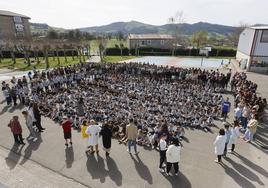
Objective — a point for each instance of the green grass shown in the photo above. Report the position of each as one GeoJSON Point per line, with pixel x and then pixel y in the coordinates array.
{"type": "Point", "coordinates": [113, 59]}
{"type": "Point", "coordinates": [20, 65]}
{"type": "Point", "coordinates": [110, 44]}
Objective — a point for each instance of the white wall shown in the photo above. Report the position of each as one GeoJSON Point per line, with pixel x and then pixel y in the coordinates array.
{"type": "Point", "coordinates": [245, 41]}
{"type": "Point", "coordinates": [261, 48]}
{"type": "Point", "coordinates": [244, 59]}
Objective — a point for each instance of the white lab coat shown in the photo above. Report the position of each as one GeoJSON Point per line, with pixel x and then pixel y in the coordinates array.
{"type": "Point", "coordinates": [219, 144]}
{"type": "Point", "coordinates": [235, 135]}
{"type": "Point", "coordinates": [173, 154]}
{"type": "Point", "coordinates": [93, 132]}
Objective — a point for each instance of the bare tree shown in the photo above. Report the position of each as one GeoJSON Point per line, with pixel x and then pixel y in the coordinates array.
{"type": "Point", "coordinates": [176, 22]}
{"type": "Point", "coordinates": [234, 37]}
{"type": "Point", "coordinates": [102, 43]}
{"type": "Point", "coordinates": [121, 48]}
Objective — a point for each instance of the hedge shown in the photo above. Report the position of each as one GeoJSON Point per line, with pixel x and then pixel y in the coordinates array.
{"type": "Point", "coordinates": [168, 52]}
{"type": "Point", "coordinates": [7, 54]}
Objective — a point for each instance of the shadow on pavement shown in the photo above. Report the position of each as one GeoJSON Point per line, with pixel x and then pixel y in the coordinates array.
{"type": "Point", "coordinates": [245, 171]}
{"type": "Point", "coordinates": [96, 167]}
{"type": "Point", "coordinates": [252, 165]}
{"type": "Point", "coordinates": [3, 101]}
{"type": "Point", "coordinates": [4, 110]}
{"type": "Point", "coordinates": [69, 155]}
{"type": "Point", "coordinates": [17, 107]}
{"type": "Point", "coordinates": [14, 156]}
{"type": "Point", "coordinates": [178, 181]}
{"type": "Point", "coordinates": [239, 179]}
{"type": "Point", "coordinates": [32, 146]}
{"type": "Point", "coordinates": [142, 169]}
{"type": "Point", "coordinates": [114, 172]}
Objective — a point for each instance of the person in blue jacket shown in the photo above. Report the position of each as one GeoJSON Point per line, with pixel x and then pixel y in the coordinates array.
{"type": "Point", "coordinates": [225, 108]}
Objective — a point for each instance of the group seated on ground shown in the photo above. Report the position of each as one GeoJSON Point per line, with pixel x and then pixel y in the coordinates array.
{"type": "Point", "coordinates": [160, 99]}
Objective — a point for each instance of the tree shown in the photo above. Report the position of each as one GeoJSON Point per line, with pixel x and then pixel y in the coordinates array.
{"type": "Point", "coordinates": [199, 38]}
{"type": "Point", "coordinates": [234, 37]}
{"type": "Point", "coordinates": [120, 35]}
{"type": "Point", "coordinates": [52, 34]}
{"type": "Point", "coordinates": [1, 52]}
{"type": "Point", "coordinates": [176, 22]}
{"type": "Point", "coordinates": [102, 43]}
{"type": "Point", "coordinates": [121, 48]}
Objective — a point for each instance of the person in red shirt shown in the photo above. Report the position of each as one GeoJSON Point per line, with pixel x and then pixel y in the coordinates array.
{"type": "Point", "coordinates": [16, 129]}
{"type": "Point", "coordinates": [67, 130]}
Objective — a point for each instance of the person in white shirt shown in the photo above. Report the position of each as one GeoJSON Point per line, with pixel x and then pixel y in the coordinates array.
{"type": "Point", "coordinates": [29, 124]}
{"type": "Point", "coordinates": [162, 151]}
{"type": "Point", "coordinates": [219, 144]}
{"type": "Point", "coordinates": [235, 135]}
{"type": "Point", "coordinates": [93, 132]}
{"type": "Point", "coordinates": [173, 156]}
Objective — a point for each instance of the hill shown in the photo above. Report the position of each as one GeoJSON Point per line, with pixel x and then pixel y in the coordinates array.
{"type": "Point", "coordinates": [138, 28]}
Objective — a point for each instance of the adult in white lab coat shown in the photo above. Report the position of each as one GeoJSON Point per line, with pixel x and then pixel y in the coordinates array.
{"type": "Point", "coordinates": [235, 135]}
{"type": "Point", "coordinates": [219, 144]}
{"type": "Point", "coordinates": [93, 132]}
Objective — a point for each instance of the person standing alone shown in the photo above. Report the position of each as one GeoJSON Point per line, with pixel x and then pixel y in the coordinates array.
{"type": "Point", "coordinates": [219, 144]}
{"type": "Point", "coordinates": [29, 124]}
{"type": "Point", "coordinates": [131, 134]}
{"type": "Point", "coordinates": [162, 151]}
{"type": "Point", "coordinates": [67, 130]}
{"type": "Point", "coordinates": [173, 156]}
{"type": "Point", "coordinates": [106, 134]}
{"type": "Point", "coordinates": [226, 106]}
{"type": "Point", "coordinates": [93, 132]}
{"type": "Point", "coordinates": [16, 129]}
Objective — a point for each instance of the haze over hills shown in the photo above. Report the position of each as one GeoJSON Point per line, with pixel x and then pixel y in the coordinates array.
{"type": "Point", "coordinates": [138, 28]}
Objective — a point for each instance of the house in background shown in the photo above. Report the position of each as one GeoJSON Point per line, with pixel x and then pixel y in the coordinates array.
{"type": "Point", "coordinates": [252, 50]}
{"type": "Point", "coordinates": [14, 27]}
{"type": "Point", "coordinates": [150, 40]}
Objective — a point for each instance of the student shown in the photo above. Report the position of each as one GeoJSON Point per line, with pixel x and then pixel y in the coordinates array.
{"type": "Point", "coordinates": [226, 106]}
{"type": "Point", "coordinates": [131, 133]}
{"type": "Point", "coordinates": [84, 127]}
{"type": "Point", "coordinates": [227, 136]}
{"type": "Point", "coordinates": [245, 116]}
{"type": "Point", "coordinates": [173, 156]}
{"type": "Point", "coordinates": [16, 130]}
{"type": "Point", "coordinates": [162, 151]}
{"type": "Point", "coordinates": [251, 129]}
{"type": "Point", "coordinates": [219, 145]}
{"type": "Point", "coordinates": [238, 112]}
{"type": "Point", "coordinates": [29, 124]}
{"type": "Point", "coordinates": [235, 135]}
{"type": "Point", "coordinates": [67, 130]}
{"type": "Point", "coordinates": [93, 131]}
{"type": "Point", "coordinates": [106, 134]}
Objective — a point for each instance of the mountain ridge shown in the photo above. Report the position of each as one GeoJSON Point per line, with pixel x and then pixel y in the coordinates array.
{"type": "Point", "coordinates": [136, 27]}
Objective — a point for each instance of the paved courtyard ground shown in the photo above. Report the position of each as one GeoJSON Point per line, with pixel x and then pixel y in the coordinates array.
{"type": "Point", "coordinates": [247, 168]}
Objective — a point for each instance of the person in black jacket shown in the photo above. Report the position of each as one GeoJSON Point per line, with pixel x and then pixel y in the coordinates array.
{"type": "Point", "coordinates": [106, 134]}
{"type": "Point", "coordinates": [37, 116]}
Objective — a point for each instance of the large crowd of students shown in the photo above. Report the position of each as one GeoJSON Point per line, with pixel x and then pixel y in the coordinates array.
{"type": "Point", "coordinates": [160, 100]}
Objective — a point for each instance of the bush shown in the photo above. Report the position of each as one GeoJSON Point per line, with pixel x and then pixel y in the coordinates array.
{"type": "Point", "coordinates": [117, 52]}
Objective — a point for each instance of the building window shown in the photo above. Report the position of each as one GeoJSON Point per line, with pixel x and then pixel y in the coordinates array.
{"type": "Point", "coordinates": [19, 27]}
{"type": "Point", "coordinates": [149, 42]}
{"type": "Point", "coordinates": [162, 42]}
{"type": "Point", "coordinates": [142, 42]}
{"type": "Point", "coordinates": [264, 36]}
{"type": "Point", "coordinates": [17, 19]}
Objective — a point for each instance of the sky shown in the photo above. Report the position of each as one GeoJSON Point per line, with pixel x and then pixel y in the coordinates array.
{"type": "Point", "coordinates": [71, 14]}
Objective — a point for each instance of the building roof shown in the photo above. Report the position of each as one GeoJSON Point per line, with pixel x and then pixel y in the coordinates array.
{"type": "Point", "coordinates": [8, 13]}
{"type": "Point", "coordinates": [260, 27]}
{"type": "Point", "coordinates": [150, 36]}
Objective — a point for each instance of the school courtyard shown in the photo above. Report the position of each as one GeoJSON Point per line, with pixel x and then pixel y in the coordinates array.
{"type": "Point", "coordinates": [48, 163]}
